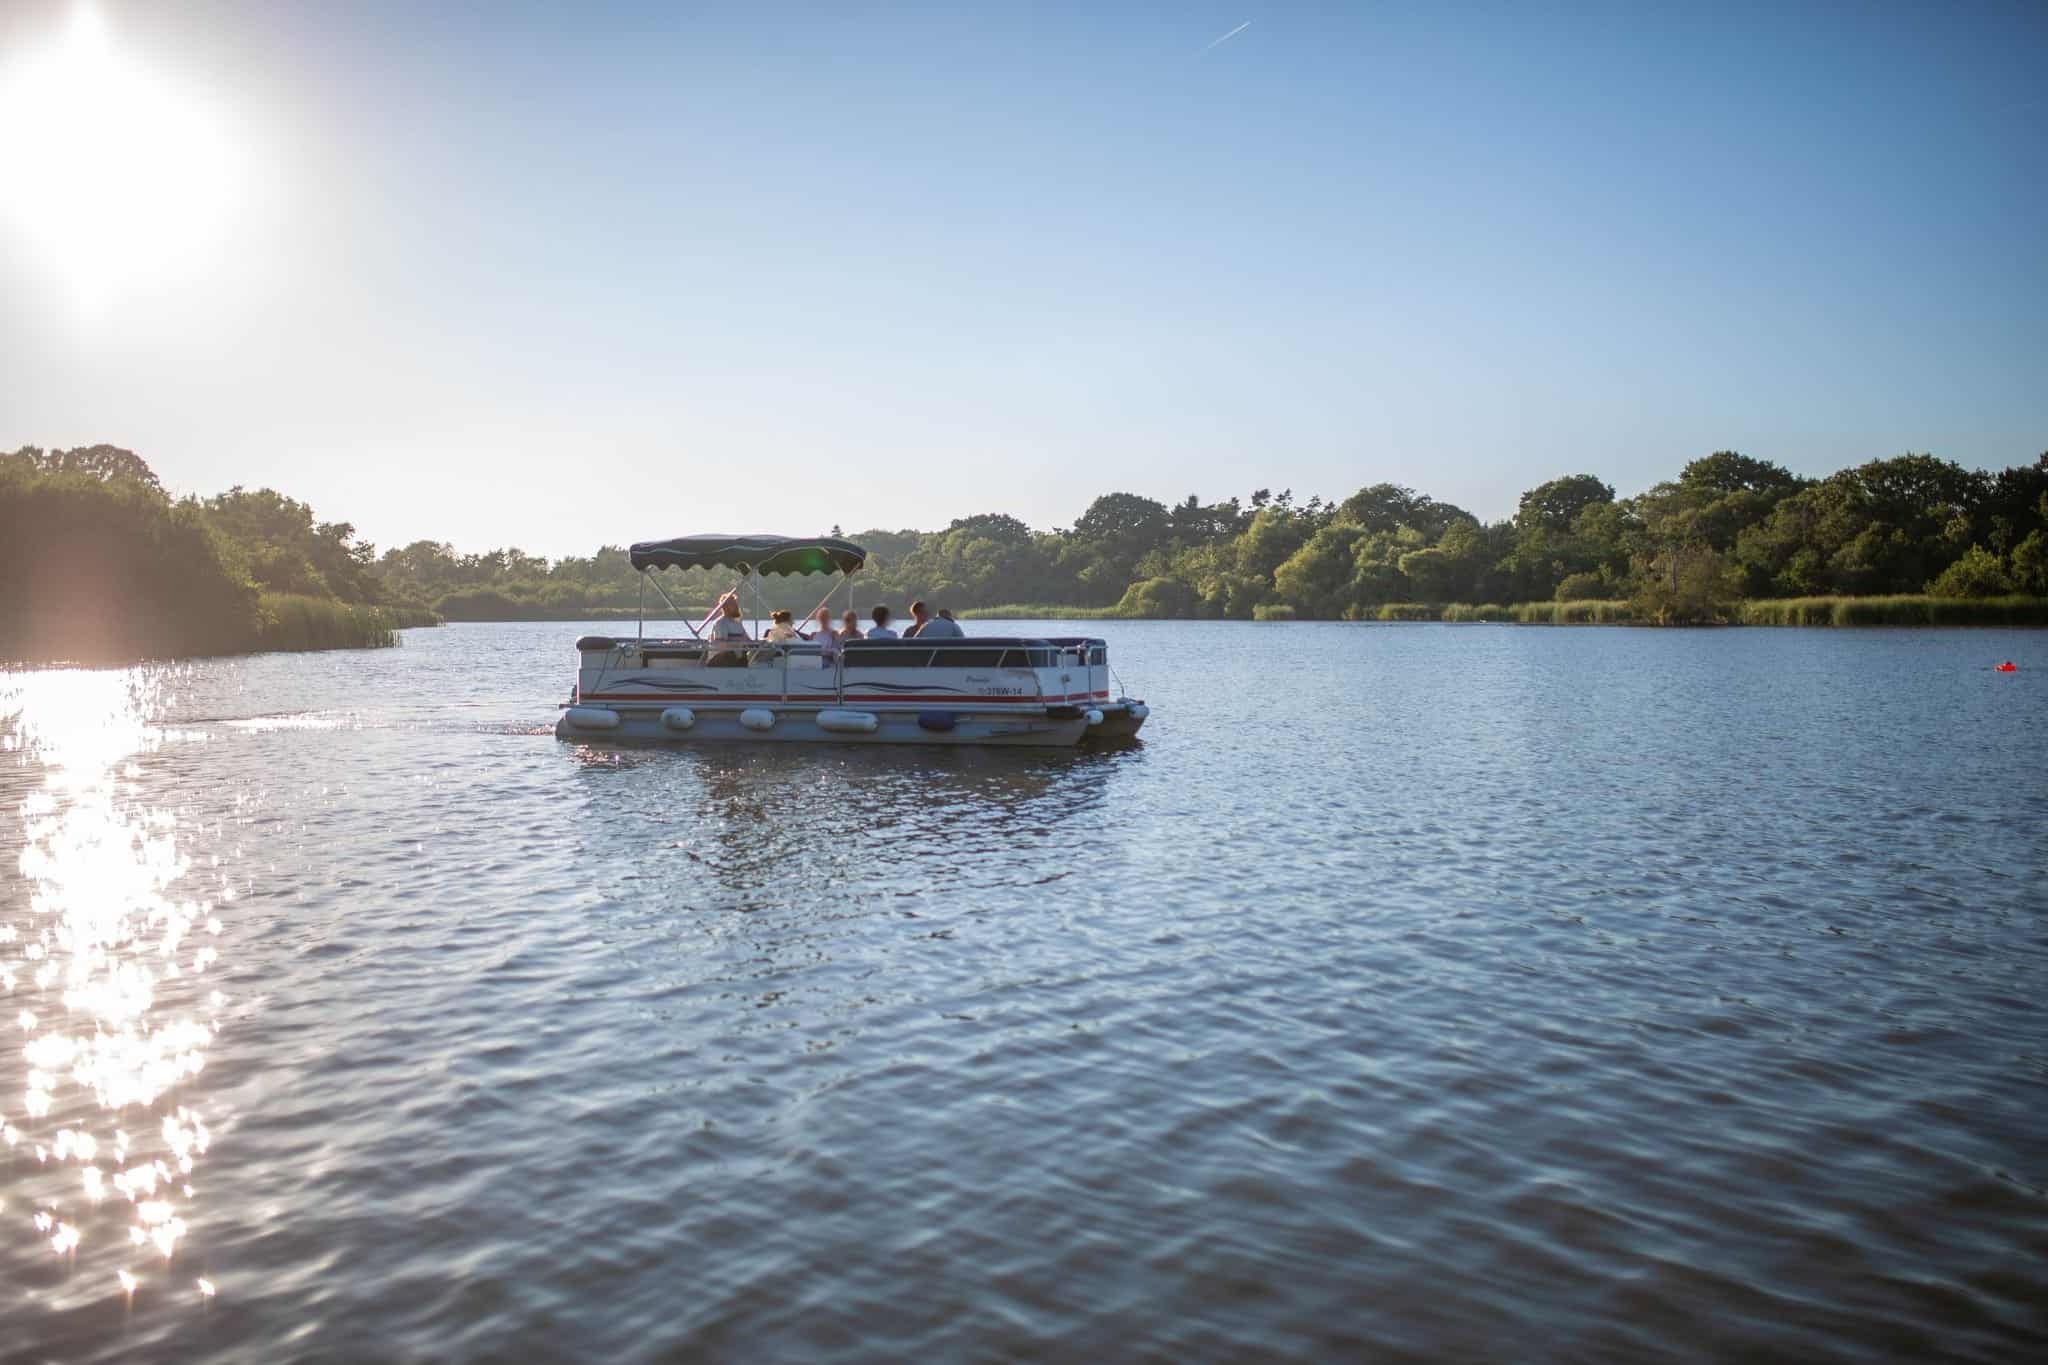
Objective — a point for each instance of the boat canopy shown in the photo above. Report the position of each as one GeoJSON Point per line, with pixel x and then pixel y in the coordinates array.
{"type": "Point", "coordinates": [751, 554]}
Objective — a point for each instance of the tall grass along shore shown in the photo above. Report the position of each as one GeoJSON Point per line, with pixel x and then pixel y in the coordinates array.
{"type": "Point", "coordinates": [289, 621]}
{"type": "Point", "coordinates": [1896, 611]}
{"type": "Point", "coordinates": [1892, 610]}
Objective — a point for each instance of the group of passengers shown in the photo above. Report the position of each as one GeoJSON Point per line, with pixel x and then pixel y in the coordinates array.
{"type": "Point", "coordinates": [729, 638]}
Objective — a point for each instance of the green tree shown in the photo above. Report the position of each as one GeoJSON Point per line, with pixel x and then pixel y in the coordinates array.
{"type": "Point", "coordinates": [1686, 585]}
{"type": "Point", "coordinates": [1548, 538]}
{"type": "Point", "coordinates": [1317, 579]}
{"type": "Point", "coordinates": [1883, 527]}
{"type": "Point", "coordinates": [1273, 535]}
{"type": "Point", "coordinates": [2030, 564]}
{"type": "Point", "coordinates": [1978, 573]}
{"type": "Point", "coordinates": [1725, 472]}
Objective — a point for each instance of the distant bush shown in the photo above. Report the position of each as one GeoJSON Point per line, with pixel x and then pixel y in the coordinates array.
{"type": "Point", "coordinates": [1406, 611]}
{"type": "Point", "coordinates": [108, 570]}
{"type": "Point", "coordinates": [1273, 611]}
{"type": "Point", "coordinates": [100, 567]}
{"type": "Point", "coordinates": [1979, 573]}
{"type": "Point", "coordinates": [1488, 611]}
{"type": "Point", "coordinates": [1580, 587]}
{"type": "Point", "coordinates": [1157, 598]}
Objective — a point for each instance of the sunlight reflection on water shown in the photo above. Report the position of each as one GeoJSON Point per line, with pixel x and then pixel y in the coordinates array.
{"type": "Point", "coordinates": [103, 966]}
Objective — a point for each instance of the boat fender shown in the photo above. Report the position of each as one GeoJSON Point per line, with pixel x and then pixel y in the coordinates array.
{"type": "Point", "coordinates": [938, 721]}
{"type": "Point", "coordinates": [758, 718]}
{"type": "Point", "coordinates": [1137, 710]}
{"type": "Point", "coordinates": [593, 718]}
{"type": "Point", "coordinates": [678, 717]}
{"type": "Point", "coordinates": [1092, 716]}
{"type": "Point", "coordinates": [594, 644]}
{"type": "Point", "coordinates": [842, 722]}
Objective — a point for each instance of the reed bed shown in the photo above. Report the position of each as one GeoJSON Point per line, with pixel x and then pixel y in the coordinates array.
{"type": "Point", "coordinates": [1583, 613]}
{"type": "Point", "coordinates": [1484, 611]}
{"type": "Point", "coordinates": [288, 621]}
{"type": "Point", "coordinates": [1407, 611]}
{"type": "Point", "coordinates": [1900, 610]}
{"type": "Point", "coordinates": [1039, 611]}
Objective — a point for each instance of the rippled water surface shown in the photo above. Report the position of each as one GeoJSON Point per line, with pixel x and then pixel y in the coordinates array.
{"type": "Point", "coordinates": [1408, 992]}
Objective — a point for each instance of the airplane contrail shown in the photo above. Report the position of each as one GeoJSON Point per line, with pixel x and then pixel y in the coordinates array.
{"type": "Point", "coordinates": [1228, 36]}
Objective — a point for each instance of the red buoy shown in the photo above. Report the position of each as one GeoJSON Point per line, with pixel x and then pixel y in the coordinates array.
{"type": "Point", "coordinates": [2007, 667]}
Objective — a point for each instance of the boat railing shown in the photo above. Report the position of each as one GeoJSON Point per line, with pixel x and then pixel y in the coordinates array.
{"type": "Point", "coordinates": [1023, 653]}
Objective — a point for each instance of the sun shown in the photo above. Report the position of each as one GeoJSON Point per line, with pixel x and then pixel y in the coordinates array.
{"type": "Point", "coordinates": [113, 177]}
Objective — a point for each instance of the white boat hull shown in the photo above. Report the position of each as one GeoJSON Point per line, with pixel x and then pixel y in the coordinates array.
{"type": "Point", "coordinates": [800, 726]}
{"type": "Point", "coordinates": [951, 692]}
{"type": "Point", "coordinates": [1001, 692]}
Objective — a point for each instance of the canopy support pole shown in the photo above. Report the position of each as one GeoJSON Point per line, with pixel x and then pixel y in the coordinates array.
{"type": "Point", "coordinates": [640, 629]}
{"type": "Point", "coordinates": [824, 601]}
{"type": "Point", "coordinates": [671, 602]}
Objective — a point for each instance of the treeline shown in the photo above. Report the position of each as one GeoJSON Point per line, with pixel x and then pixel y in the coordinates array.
{"type": "Point", "coordinates": [1727, 530]}
{"type": "Point", "coordinates": [99, 565]}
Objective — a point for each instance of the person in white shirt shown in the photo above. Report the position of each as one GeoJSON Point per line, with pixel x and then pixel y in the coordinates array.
{"type": "Point", "coordinates": [728, 636]}
{"type": "Point", "coordinates": [849, 626]}
{"type": "Point", "coordinates": [880, 630]}
{"type": "Point", "coordinates": [782, 630]}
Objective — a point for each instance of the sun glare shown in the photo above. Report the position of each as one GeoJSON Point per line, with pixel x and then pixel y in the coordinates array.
{"type": "Point", "coordinates": [115, 177]}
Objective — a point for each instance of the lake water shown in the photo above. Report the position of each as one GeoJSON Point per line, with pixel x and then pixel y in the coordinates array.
{"type": "Point", "coordinates": [1410, 991]}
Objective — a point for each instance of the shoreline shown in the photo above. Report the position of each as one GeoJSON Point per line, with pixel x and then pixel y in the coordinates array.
{"type": "Point", "coordinates": [306, 625]}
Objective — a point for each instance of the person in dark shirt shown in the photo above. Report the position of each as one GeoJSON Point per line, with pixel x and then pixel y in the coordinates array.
{"type": "Point", "coordinates": [930, 627]}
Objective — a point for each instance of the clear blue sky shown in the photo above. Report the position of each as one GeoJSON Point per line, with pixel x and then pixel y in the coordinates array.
{"type": "Point", "coordinates": [554, 276]}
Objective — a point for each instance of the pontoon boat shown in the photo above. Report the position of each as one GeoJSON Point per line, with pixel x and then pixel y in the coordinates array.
{"type": "Point", "coordinates": [1010, 690]}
